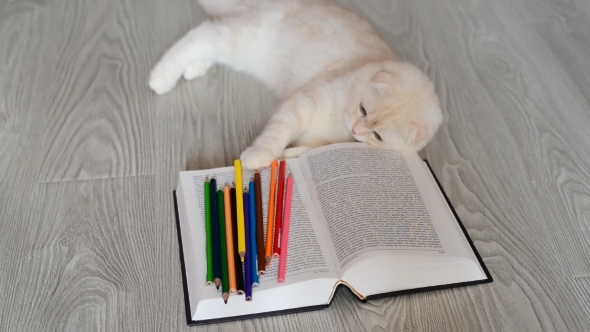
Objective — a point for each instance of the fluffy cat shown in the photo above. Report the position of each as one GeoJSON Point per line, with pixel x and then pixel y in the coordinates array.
{"type": "Point", "coordinates": [337, 79]}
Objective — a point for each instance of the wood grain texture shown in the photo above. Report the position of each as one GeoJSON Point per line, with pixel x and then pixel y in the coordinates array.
{"type": "Point", "coordinates": [581, 287]}
{"type": "Point", "coordinates": [90, 157]}
{"type": "Point", "coordinates": [92, 258]}
{"type": "Point", "coordinates": [97, 119]}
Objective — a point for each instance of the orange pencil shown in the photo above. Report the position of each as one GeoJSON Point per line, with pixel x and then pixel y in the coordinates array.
{"type": "Point", "coordinates": [229, 240]}
{"type": "Point", "coordinates": [270, 221]}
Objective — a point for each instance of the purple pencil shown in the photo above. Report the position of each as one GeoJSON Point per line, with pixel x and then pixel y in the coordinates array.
{"type": "Point", "coordinates": [248, 258]}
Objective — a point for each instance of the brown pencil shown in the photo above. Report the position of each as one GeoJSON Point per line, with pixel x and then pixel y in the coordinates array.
{"type": "Point", "coordinates": [270, 221]}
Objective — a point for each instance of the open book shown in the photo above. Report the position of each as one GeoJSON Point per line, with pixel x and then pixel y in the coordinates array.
{"type": "Point", "coordinates": [373, 220]}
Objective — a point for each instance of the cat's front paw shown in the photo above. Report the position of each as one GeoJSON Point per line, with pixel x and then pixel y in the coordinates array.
{"type": "Point", "coordinates": [256, 158]}
{"type": "Point", "coordinates": [163, 78]}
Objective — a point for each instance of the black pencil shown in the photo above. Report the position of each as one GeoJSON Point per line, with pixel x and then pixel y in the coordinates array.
{"type": "Point", "coordinates": [215, 234]}
{"type": "Point", "coordinates": [237, 259]}
{"type": "Point", "coordinates": [259, 226]}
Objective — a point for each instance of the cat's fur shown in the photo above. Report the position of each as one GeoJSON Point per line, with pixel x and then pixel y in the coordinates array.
{"type": "Point", "coordinates": [325, 63]}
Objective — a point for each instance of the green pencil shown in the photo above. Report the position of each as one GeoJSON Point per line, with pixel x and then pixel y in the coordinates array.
{"type": "Point", "coordinates": [223, 245]}
{"type": "Point", "coordinates": [209, 245]}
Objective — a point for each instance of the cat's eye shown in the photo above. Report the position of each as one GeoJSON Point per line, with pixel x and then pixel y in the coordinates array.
{"type": "Point", "coordinates": [363, 110]}
{"type": "Point", "coordinates": [377, 136]}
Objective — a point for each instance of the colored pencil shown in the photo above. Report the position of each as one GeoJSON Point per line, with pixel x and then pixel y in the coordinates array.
{"type": "Point", "coordinates": [285, 229]}
{"type": "Point", "coordinates": [259, 225]}
{"type": "Point", "coordinates": [223, 247]}
{"type": "Point", "coordinates": [215, 234]}
{"type": "Point", "coordinates": [279, 211]}
{"type": "Point", "coordinates": [209, 246]}
{"type": "Point", "coordinates": [252, 234]}
{"type": "Point", "coordinates": [247, 259]}
{"type": "Point", "coordinates": [270, 221]}
{"type": "Point", "coordinates": [229, 239]}
{"type": "Point", "coordinates": [240, 209]}
{"type": "Point", "coordinates": [237, 260]}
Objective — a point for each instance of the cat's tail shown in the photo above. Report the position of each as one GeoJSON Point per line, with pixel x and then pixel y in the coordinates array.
{"type": "Point", "coordinates": [221, 8]}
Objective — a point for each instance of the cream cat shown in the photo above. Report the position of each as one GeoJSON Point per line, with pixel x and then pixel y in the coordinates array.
{"type": "Point", "coordinates": [337, 79]}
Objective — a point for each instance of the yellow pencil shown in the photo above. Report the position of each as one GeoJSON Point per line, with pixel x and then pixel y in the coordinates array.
{"type": "Point", "coordinates": [271, 212]}
{"type": "Point", "coordinates": [240, 208]}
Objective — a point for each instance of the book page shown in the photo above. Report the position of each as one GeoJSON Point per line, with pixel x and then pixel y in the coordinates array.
{"type": "Point", "coordinates": [368, 203]}
{"type": "Point", "coordinates": [455, 264]}
{"type": "Point", "coordinates": [308, 254]}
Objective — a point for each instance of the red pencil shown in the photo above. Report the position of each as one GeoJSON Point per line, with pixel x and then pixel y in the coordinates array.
{"type": "Point", "coordinates": [279, 210]}
{"type": "Point", "coordinates": [285, 231]}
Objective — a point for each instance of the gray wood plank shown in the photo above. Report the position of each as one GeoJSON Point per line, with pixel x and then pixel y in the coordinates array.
{"type": "Point", "coordinates": [20, 37]}
{"type": "Point", "coordinates": [91, 257]}
{"type": "Point", "coordinates": [568, 44]}
{"type": "Point", "coordinates": [97, 119]}
{"type": "Point", "coordinates": [581, 288]}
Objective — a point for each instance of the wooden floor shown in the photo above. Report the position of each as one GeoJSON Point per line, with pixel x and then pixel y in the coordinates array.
{"type": "Point", "coordinates": [89, 157]}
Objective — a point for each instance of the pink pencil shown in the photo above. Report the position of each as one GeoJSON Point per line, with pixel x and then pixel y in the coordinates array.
{"type": "Point", "coordinates": [285, 230]}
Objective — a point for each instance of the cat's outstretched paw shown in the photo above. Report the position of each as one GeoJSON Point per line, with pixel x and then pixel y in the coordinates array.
{"type": "Point", "coordinates": [295, 152]}
{"type": "Point", "coordinates": [256, 158]}
{"type": "Point", "coordinates": [163, 78]}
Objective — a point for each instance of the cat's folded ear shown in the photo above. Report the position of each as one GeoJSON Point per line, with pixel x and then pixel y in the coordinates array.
{"type": "Point", "coordinates": [385, 81]}
{"type": "Point", "coordinates": [415, 132]}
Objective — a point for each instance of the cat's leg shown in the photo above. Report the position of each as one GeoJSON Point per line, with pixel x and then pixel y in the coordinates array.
{"type": "Point", "coordinates": [197, 69]}
{"type": "Point", "coordinates": [288, 123]}
{"type": "Point", "coordinates": [192, 55]}
{"type": "Point", "coordinates": [295, 152]}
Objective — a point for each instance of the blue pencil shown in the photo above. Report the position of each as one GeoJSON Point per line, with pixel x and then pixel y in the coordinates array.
{"type": "Point", "coordinates": [215, 233]}
{"type": "Point", "coordinates": [254, 252]}
{"type": "Point", "coordinates": [247, 259]}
